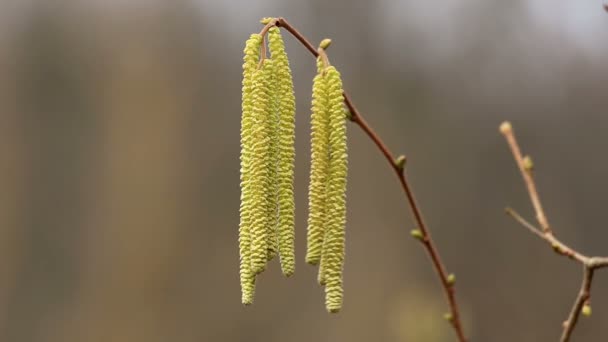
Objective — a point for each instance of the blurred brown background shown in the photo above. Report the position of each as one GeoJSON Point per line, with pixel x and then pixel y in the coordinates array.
{"type": "Point", "coordinates": [119, 125]}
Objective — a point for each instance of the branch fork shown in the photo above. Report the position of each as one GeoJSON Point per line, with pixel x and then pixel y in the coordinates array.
{"type": "Point", "coordinates": [589, 264]}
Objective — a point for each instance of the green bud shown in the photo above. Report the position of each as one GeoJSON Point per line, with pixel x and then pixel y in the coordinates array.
{"type": "Point", "coordinates": [451, 279]}
{"type": "Point", "coordinates": [400, 162]}
{"type": "Point", "coordinates": [325, 43]}
{"type": "Point", "coordinates": [586, 310]}
{"type": "Point", "coordinates": [417, 233]}
{"type": "Point", "coordinates": [528, 164]}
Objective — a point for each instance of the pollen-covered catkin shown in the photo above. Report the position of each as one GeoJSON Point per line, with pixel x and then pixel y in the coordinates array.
{"type": "Point", "coordinates": [260, 162]}
{"type": "Point", "coordinates": [335, 219]}
{"type": "Point", "coordinates": [285, 101]}
{"type": "Point", "coordinates": [272, 186]}
{"type": "Point", "coordinates": [318, 168]}
{"type": "Point", "coordinates": [247, 277]}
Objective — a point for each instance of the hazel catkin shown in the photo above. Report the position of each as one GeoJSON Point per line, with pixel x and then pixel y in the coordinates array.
{"type": "Point", "coordinates": [260, 166]}
{"type": "Point", "coordinates": [250, 61]}
{"type": "Point", "coordinates": [285, 101]}
{"type": "Point", "coordinates": [272, 186]}
{"type": "Point", "coordinates": [318, 168]}
{"type": "Point", "coordinates": [333, 245]}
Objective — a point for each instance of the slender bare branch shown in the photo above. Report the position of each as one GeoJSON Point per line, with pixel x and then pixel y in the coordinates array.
{"type": "Point", "coordinates": [525, 166]}
{"type": "Point", "coordinates": [589, 264]}
{"type": "Point", "coordinates": [447, 280]}
{"type": "Point", "coordinates": [524, 223]}
{"type": "Point", "coordinates": [581, 299]}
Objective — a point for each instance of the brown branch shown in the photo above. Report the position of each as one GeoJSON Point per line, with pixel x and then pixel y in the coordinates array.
{"type": "Point", "coordinates": [447, 280]}
{"type": "Point", "coordinates": [525, 166]}
{"type": "Point", "coordinates": [583, 298]}
{"type": "Point", "coordinates": [590, 264]}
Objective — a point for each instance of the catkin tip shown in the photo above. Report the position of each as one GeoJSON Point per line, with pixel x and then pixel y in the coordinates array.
{"type": "Point", "coordinates": [311, 261]}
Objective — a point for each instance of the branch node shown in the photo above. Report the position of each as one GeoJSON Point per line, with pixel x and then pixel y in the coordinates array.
{"type": "Point", "coordinates": [448, 316]}
{"type": "Point", "coordinates": [581, 305]}
{"type": "Point", "coordinates": [557, 248]}
{"type": "Point", "coordinates": [350, 116]}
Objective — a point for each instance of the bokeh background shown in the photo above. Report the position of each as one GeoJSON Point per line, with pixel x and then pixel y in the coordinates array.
{"type": "Point", "coordinates": [119, 144]}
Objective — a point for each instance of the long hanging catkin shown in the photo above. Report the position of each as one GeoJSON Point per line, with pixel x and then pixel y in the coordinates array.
{"type": "Point", "coordinates": [335, 219]}
{"type": "Point", "coordinates": [260, 165]}
{"type": "Point", "coordinates": [272, 186]}
{"type": "Point", "coordinates": [250, 61]}
{"type": "Point", "coordinates": [319, 167]}
{"type": "Point", "coordinates": [285, 100]}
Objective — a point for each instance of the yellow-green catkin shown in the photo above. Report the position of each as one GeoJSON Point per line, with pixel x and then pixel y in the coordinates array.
{"type": "Point", "coordinates": [285, 101]}
{"type": "Point", "coordinates": [318, 167]}
{"type": "Point", "coordinates": [272, 186]}
{"type": "Point", "coordinates": [260, 165]}
{"type": "Point", "coordinates": [335, 219]}
{"type": "Point", "coordinates": [250, 61]}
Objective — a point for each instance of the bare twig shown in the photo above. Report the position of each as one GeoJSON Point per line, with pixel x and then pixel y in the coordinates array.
{"type": "Point", "coordinates": [397, 164]}
{"type": "Point", "coordinates": [583, 298]}
{"type": "Point", "coordinates": [525, 166]}
{"type": "Point", "coordinates": [590, 264]}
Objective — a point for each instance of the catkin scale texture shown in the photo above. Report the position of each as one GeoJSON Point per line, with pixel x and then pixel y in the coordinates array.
{"type": "Point", "coordinates": [318, 169]}
{"type": "Point", "coordinates": [267, 207]}
{"type": "Point", "coordinates": [334, 241]}
{"type": "Point", "coordinates": [285, 100]}
{"type": "Point", "coordinates": [250, 61]}
{"type": "Point", "coordinates": [272, 186]}
{"type": "Point", "coordinates": [260, 165]}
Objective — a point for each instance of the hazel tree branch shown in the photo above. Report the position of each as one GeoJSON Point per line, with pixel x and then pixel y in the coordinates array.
{"type": "Point", "coordinates": [582, 304]}
{"type": "Point", "coordinates": [398, 165]}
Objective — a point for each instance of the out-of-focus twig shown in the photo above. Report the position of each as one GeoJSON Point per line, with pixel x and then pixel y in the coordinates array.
{"type": "Point", "coordinates": [589, 264]}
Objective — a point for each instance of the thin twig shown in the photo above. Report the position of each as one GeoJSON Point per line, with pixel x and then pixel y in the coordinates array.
{"type": "Point", "coordinates": [590, 264]}
{"type": "Point", "coordinates": [583, 298]}
{"type": "Point", "coordinates": [355, 116]}
{"type": "Point", "coordinates": [525, 167]}
{"type": "Point", "coordinates": [524, 223]}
